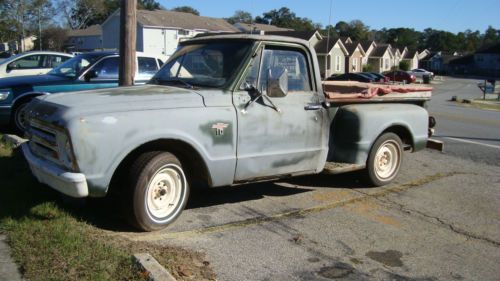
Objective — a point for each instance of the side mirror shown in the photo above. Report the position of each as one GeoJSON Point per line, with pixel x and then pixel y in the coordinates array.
{"type": "Point", "coordinates": [89, 75]}
{"type": "Point", "coordinates": [11, 66]}
{"type": "Point", "coordinates": [277, 82]}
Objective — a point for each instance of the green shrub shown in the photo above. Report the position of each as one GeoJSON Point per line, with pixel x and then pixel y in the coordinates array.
{"type": "Point", "coordinates": [404, 65]}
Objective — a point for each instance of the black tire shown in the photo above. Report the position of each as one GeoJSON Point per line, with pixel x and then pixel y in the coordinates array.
{"type": "Point", "coordinates": [146, 190]}
{"type": "Point", "coordinates": [18, 118]}
{"type": "Point", "coordinates": [384, 160]}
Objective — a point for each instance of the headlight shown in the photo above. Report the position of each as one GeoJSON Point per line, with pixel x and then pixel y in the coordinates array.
{"type": "Point", "coordinates": [4, 94]}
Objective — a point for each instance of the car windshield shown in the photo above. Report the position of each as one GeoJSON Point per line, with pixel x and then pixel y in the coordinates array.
{"type": "Point", "coordinates": [74, 67]}
{"type": "Point", "coordinates": [203, 64]}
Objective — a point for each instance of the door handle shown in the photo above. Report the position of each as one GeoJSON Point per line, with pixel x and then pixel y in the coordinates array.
{"type": "Point", "coordinates": [313, 106]}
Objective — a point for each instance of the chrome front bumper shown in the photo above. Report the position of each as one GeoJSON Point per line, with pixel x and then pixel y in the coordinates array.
{"type": "Point", "coordinates": [71, 184]}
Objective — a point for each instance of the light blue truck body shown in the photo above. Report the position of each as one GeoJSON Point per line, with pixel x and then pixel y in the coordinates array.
{"type": "Point", "coordinates": [80, 141]}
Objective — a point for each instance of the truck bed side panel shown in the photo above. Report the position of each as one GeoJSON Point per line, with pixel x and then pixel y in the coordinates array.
{"type": "Point", "coordinates": [356, 127]}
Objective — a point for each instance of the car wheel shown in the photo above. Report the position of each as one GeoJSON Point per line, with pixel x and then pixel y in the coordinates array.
{"type": "Point", "coordinates": [19, 119]}
{"type": "Point", "coordinates": [384, 160]}
{"type": "Point", "coordinates": [158, 191]}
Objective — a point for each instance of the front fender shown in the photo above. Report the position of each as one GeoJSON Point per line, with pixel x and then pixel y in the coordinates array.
{"type": "Point", "coordinates": [101, 142]}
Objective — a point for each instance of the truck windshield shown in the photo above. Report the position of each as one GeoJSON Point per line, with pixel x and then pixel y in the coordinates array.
{"type": "Point", "coordinates": [74, 67]}
{"type": "Point", "coordinates": [203, 64]}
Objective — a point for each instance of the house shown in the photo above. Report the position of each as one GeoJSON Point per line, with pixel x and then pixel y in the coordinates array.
{"type": "Point", "coordinates": [346, 39]}
{"type": "Point", "coordinates": [424, 53]}
{"type": "Point", "coordinates": [368, 46]}
{"type": "Point", "coordinates": [88, 39]}
{"type": "Point", "coordinates": [412, 58]}
{"type": "Point", "coordinates": [461, 65]}
{"type": "Point", "coordinates": [159, 31]}
{"type": "Point", "coordinates": [313, 36]}
{"type": "Point", "coordinates": [331, 54]}
{"type": "Point", "coordinates": [27, 44]}
{"type": "Point", "coordinates": [487, 60]}
{"type": "Point", "coordinates": [432, 62]}
{"type": "Point", "coordinates": [399, 53]}
{"type": "Point", "coordinates": [258, 27]}
{"type": "Point", "coordinates": [354, 58]}
{"type": "Point", "coordinates": [381, 58]}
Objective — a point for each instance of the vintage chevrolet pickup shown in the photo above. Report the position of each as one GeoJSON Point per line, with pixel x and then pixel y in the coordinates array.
{"type": "Point", "coordinates": [224, 110]}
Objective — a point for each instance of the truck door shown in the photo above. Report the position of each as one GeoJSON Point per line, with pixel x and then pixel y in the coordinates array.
{"type": "Point", "coordinates": [281, 135]}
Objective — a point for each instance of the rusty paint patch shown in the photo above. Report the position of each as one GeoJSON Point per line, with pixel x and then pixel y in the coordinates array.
{"type": "Point", "coordinates": [370, 210]}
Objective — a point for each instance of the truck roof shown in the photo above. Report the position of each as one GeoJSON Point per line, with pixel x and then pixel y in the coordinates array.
{"type": "Point", "coordinates": [249, 37]}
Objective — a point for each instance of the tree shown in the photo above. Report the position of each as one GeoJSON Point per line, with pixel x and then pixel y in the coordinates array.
{"type": "Point", "coordinates": [240, 16]}
{"type": "Point", "coordinates": [357, 30]}
{"type": "Point", "coordinates": [42, 12]}
{"type": "Point", "coordinates": [53, 38]}
{"type": "Point", "coordinates": [186, 9]}
{"type": "Point", "coordinates": [80, 14]}
{"type": "Point", "coordinates": [287, 19]}
{"type": "Point", "coordinates": [404, 65]}
{"type": "Point", "coordinates": [491, 36]}
{"type": "Point", "coordinates": [150, 5]}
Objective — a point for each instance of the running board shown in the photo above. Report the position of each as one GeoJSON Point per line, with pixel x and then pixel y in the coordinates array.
{"type": "Point", "coordinates": [334, 168]}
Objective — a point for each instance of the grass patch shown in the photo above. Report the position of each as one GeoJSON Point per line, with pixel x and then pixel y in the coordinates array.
{"type": "Point", "coordinates": [51, 241]}
{"type": "Point", "coordinates": [478, 103]}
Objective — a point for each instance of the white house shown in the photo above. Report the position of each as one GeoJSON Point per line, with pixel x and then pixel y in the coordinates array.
{"type": "Point", "coordinates": [88, 39]}
{"type": "Point", "coordinates": [331, 54]}
{"type": "Point", "coordinates": [159, 31]}
{"type": "Point", "coordinates": [382, 58]}
{"type": "Point", "coordinates": [368, 47]}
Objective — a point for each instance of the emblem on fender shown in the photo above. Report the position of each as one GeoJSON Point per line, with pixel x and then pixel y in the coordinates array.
{"type": "Point", "coordinates": [219, 128]}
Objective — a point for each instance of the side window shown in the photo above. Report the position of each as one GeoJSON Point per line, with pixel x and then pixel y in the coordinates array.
{"type": "Point", "coordinates": [28, 62]}
{"type": "Point", "coordinates": [107, 68]}
{"type": "Point", "coordinates": [147, 66]}
{"type": "Point", "coordinates": [292, 60]}
{"type": "Point", "coordinates": [51, 61]}
{"type": "Point", "coordinates": [55, 61]}
{"type": "Point", "coordinates": [160, 62]}
{"type": "Point", "coordinates": [253, 73]}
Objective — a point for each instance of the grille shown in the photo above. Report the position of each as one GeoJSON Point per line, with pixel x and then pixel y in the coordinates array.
{"type": "Point", "coordinates": [44, 141]}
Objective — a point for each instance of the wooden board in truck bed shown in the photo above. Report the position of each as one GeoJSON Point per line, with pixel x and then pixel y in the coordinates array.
{"type": "Point", "coordinates": [358, 92]}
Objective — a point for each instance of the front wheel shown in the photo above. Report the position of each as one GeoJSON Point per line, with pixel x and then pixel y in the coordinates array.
{"type": "Point", "coordinates": [158, 190]}
{"type": "Point", "coordinates": [19, 118]}
{"type": "Point", "coordinates": [384, 160]}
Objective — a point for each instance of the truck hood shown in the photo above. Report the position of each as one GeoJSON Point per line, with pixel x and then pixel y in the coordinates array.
{"type": "Point", "coordinates": [64, 106]}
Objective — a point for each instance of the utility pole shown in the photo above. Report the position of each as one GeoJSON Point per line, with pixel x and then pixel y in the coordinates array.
{"type": "Point", "coordinates": [128, 25]}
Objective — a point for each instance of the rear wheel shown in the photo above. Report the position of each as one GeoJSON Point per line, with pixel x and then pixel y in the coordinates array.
{"type": "Point", "coordinates": [384, 160]}
{"type": "Point", "coordinates": [158, 191]}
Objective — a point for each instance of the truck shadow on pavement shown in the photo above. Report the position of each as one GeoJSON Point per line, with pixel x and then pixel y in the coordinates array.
{"type": "Point", "coordinates": [20, 193]}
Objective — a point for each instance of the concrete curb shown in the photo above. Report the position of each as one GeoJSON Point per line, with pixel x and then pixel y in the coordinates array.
{"type": "Point", "coordinates": [153, 267]}
{"type": "Point", "coordinates": [14, 140]}
{"type": "Point", "coordinates": [8, 269]}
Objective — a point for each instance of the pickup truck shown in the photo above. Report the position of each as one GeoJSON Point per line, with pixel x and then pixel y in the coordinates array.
{"type": "Point", "coordinates": [223, 110]}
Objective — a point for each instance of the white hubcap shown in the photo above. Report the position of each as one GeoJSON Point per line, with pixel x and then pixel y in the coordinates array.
{"type": "Point", "coordinates": [386, 160]}
{"type": "Point", "coordinates": [165, 192]}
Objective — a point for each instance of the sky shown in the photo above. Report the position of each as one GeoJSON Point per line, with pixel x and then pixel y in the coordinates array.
{"type": "Point", "coordinates": [449, 15]}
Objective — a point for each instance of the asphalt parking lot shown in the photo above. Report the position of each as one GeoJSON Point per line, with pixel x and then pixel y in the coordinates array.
{"type": "Point", "coordinates": [439, 221]}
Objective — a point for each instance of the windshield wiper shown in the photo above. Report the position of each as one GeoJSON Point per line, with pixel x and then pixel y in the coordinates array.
{"type": "Point", "coordinates": [178, 81]}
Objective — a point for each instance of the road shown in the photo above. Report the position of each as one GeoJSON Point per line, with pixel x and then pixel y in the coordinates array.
{"type": "Point", "coordinates": [440, 219]}
{"type": "Point", "coordinates": [469, 133]}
